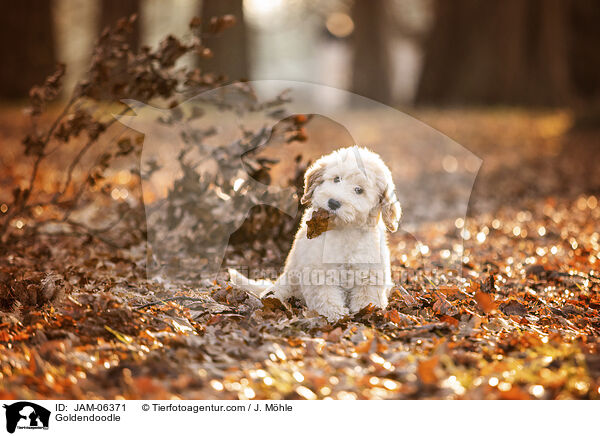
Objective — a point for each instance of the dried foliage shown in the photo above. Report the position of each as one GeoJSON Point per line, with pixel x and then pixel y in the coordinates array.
{"type": "Point", "coordinates": [117, 73]}
{"type": "Point", "coordinates": [525, 324]}
{"type": "Point", "coordinates": [189, 230]}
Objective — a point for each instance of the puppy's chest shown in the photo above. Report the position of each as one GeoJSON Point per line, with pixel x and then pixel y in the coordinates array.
{"type": "Point", "coordinates": [351, 246]}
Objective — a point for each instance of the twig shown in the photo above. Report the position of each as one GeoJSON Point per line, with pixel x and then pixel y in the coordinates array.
{"type": "Point", "coordinates": [81, 153]}
{"type": "Point", "coordinates": [82, 234]}
{"type": "Point", "coordinates": [154, 303]}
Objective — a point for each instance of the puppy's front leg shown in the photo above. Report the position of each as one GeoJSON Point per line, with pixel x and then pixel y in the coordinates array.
{"type": "Point", "coordinates": [327, 301]}
{"type": "Point", "coordinates": [364, 295]}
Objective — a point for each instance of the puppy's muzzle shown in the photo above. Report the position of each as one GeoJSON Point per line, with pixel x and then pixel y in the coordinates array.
{"type": "Point", "coordinates": [333, 204]}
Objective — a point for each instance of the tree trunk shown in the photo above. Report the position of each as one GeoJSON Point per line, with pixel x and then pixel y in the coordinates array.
{"type": "Point", "coordinates": [230, 48]}
{"type": "Point", "coordinates": [26, 46]}
{"type": "Point", "coordinates": [113, 10]}
{"type": "Point", "coordinates": [371, 62]}
{"type": "Point", "coordinates": [502, 52]}
{"type": "Point", "coordinates": [584, 54]}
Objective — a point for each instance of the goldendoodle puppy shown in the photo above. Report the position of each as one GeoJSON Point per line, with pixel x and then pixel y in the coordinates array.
{"type": "Point", "coordinates": [346, 267]}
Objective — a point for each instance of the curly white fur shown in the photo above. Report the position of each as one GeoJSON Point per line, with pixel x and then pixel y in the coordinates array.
{"type": "Point", "coordinates": [347, 267]}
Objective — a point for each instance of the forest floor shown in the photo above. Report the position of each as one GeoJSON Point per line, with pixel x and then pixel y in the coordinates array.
{"type": "Point", "coordinates": [523, 324]}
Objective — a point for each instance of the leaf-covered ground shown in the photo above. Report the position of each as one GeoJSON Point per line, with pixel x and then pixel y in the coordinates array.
{"type": "Point", "coordinates": [524, 322]}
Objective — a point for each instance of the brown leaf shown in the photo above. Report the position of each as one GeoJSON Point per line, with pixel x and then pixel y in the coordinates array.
{"type": "Point", "coordinates": [318, 223]}
{"type": "Point", "coordinates": [195, 22]}
{"type": "Point", "coordinates": [215, 319]}
{"type": "Point", "coordinates": [535, 271]}
{"type": "Point", "coordinates": [441, 306]}
{"type": "Point", "coordinates": [335, 335]}
{"type": "Point", "coordinates": [488, 284]}
{"type": "Point", "coordinates": [513, 307]}
{"type": "Point", "coordinates": [219, 24]}
{"type": "Point", "coordinates": [274, 305]}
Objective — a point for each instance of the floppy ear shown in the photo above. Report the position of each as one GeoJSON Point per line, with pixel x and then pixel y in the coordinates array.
{"type": "Point", "coordinates": [390, 206]}
{"type": "Point", "coordinates": [312, 178]}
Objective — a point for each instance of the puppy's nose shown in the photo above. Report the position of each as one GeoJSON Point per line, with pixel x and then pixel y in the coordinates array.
{"type": "Point", "coordinates": [333, 204]}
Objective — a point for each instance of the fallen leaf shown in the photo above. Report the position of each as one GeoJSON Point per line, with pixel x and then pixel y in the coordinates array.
{"type": "Point", "coordinates": [426, 370]}
{"type": "Point", "coordinates": [318, 223]}
{"type": "Point", "coordinates": [485, 302]}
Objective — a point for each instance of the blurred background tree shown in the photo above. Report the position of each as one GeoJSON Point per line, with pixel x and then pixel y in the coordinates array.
{"type": "Point", "coordinates": [511, 52]}
{"type": "Point", "coordinates": [531, 53]}
{"type": "Point", "coordinates": [27, 46]}
{"type": "Point", "coordinates": [371, 61]}
{"type": "Point", "coordinates": [514, 52]}
{"type": "Point", "coordinates": [230, 49]}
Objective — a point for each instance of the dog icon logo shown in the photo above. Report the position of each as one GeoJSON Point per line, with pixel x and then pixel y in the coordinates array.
{"type": "Point", "coordinates": [26, 415]}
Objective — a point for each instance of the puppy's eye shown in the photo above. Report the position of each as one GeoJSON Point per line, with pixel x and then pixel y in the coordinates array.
{"type": "Point", "coordinates": [336, 179]}
{"type": "Point", "coordinates": [358, 190]}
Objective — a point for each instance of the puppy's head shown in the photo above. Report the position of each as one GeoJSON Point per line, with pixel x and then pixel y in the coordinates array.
{"type": "Point", "coordinates": [355, 186]}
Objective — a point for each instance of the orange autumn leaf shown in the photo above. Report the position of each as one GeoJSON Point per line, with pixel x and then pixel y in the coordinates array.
{"type": "Point", "coordinates": [300, 119]}
{"type": "Point", "coordinates": [515, 393]}
{"type": "Point", "coordinates": [485, 302]}
{"type": "Point", "coordinates": [449, 319]}
{"type": "Point", "coordinates": [394, 316]}
{"type": "Point", "coordinates": [426, 370]}
{"type": "Point", "coordinates": [364, 347]}
{"type": "Point", "coordinates": [449, 291]}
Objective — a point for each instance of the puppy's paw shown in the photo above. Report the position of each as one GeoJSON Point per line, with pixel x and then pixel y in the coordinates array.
{"type": "Point", "coordinates": [334, 313]}
{"type": "Point", "coordinates": [361, 301]}
{"type": "Point", "coordinates": [281, 293]}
